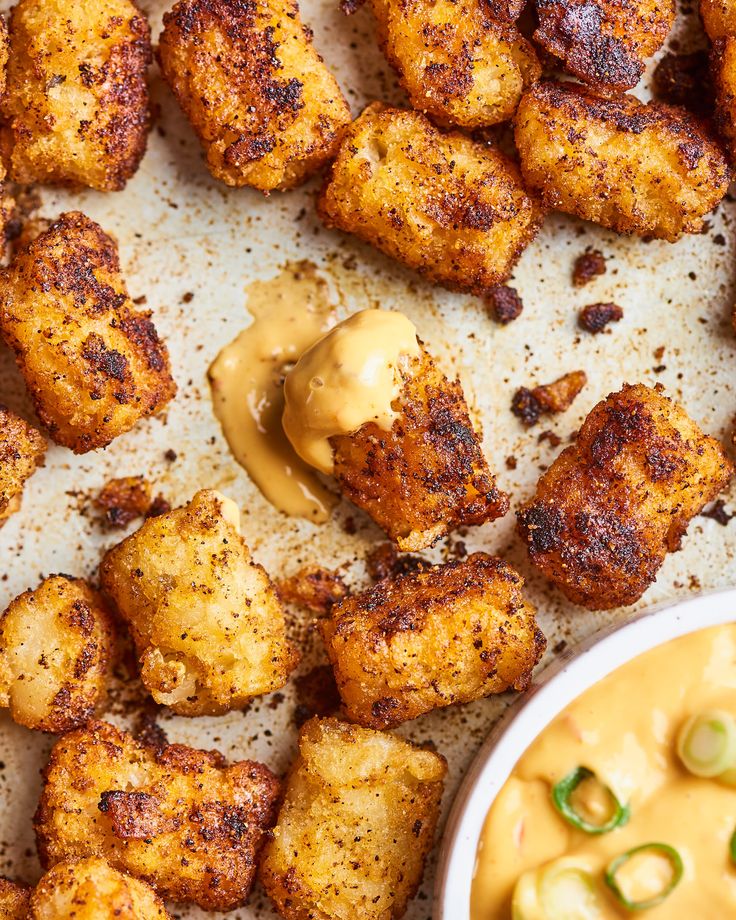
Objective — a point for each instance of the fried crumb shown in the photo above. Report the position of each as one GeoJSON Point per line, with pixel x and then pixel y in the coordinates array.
{"type": "Point", "coordinates": [717, 512]}
{"type": "Point", "coordinates": [684, 79]}
{"type": "Point", "coordinates": [158, 506]}
{"type": "Point", "coordinates": [383, 561]}
{"type": "Point", "coordinates": [528, 405]}
{"type": "Point", "coordinates": [596, 316]}
{"type": "Point", "coordinates": [317, 694]}
{"type": "Point", "coordinates": [588, 266]}
{"type": "Point", "coordinates": [504, 304]}
{"type": "Point", "coordinates": [315, 589]}
{"type": "Point", "coordinates": [554, 439]}
{"type": "Point", "coordinates": [123, 500]}
{"type": "Point", "coordinates": [511, 462]}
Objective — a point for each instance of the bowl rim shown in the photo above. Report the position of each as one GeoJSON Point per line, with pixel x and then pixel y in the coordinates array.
{"type": "Point", "coordinates": [556, 686]}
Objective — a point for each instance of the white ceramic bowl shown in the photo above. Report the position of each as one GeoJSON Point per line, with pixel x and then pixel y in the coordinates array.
{"type": "Point", "coordinates": [551, 692]}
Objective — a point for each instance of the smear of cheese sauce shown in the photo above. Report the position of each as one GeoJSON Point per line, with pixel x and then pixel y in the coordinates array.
{"type": "Point", "coordinates": [625, 729]}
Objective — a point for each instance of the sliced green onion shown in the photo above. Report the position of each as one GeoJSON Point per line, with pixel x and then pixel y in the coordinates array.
{"type": "Point", "coordinates": [565, 801]}
{"type": "Point", "coordinates": [561, 890]}
{"type": "Point", "coordinates": [672, 857]}
{"type": "Point", "coordinates": [728, 777]}
{"type": "Point", "coordinates": [707, 743]}
{"type": "Point", "coordinates": [732, 848]}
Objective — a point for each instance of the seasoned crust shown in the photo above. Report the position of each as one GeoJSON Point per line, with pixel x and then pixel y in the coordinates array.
{"type": "Point", "coordinates": [94, 365]}
{"type": "Point", "coordinates": [719, 18]}
{"type": "Point", "coordinates": [264, 105]}
{"type": "Point", "coordinates": [56, 645]}
{"type": "Point", "coordinates": [450, 207]}
{"type": "Point", "coordinates": [612, 505]}
{"type": "Point", "coordinates": [90, 889]}
{"type": "Point", "coordinates": [649, 169]}
{"type": "Point", "coordinates": [457, 63]}
{"type": "Point", "coordinates": [357, 822]}
{"type": "Point", "coordinates": [178, 818]}
{"type": "Point", "coordinates": [446, 634]}
{"type": "Point", "coordinates": [13, 900]}
{"type": "Point", "coordinates": [22, 449]}
{"type": "Point", "coordinates": [427, 475]}
{"type": "Point", "coordinates": [76, 106]}
{"type": "Point", "coordinates": [605, 43]}
{"type": "Point", "coordinates": [206, 619]}
{"type": "Point", "coordinates": [723, 70]}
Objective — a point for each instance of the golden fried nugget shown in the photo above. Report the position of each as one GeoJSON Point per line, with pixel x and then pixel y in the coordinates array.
{"type": "Point", "coordinates": [56, 644]}
{"type": "Point", "coordinates": [13, 900]}
{"type": "Point", "coordinates": [356, 824]}
{"type": "Point", "coordinates": [93, 364]}
{"type": "Point", "coordinates": [723, 70]}
{"type": "Point", "coordinates": [611, 506]}
{"type": "Point", "coordinates": [447, 634]}
{"type": "Point", "coordinates": [456, 63]}
{"type": "Point", "coordinates": [76, 102]}
{"type": "Point", "coordinates": [605, 43]}
{"type": "Point", "coordinates": [206, 619]}
{"type": "Point", "coordinates": [264, 105]}
{"type": "Point", "coordinates": [719, 18]}
{"type": "Point", "coordinates": [22, 449]}
{"type": "Point", "coordinates": [178, 818]}
{"type": "Point", "coordinates": [448, 206]}
{"type": "Point", "coordinates": [649, 169]}
{"type": "Point", "coordinates": [427, 475]}
{"type": "Point", "coordinates": [90, 889]}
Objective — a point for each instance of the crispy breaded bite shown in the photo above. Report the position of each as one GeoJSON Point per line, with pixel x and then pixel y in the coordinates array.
{"type": "Point", "coordinates": [457, 63]}
{"type": "Point", "coordinates": [75, 110]}
{"type": "Point", "coordinates": [357, 822]}
{"type": "Point", "coordinates": [448, 206]}
{"type": "Point", "coordinates": [605, 43]}
{"type": "Point", "coordinates": [723, 70]}
{"type": "Point", "coordinates": [22, 449]}
{"type": "Point", "coordinates": [206, 619]}
{"type": "Point", "coordinates": [719, 18]}
{"type": "Point", "coordinates": [90, 889]}
{"type": "Point", "coordinates": [178, 818]}
{"type": "Point", "coordinates": [649, 169]}
{"type": "Point", "coordinates": [13, 900]}
{"type": "Point", "coordinates": [447, 634]}
{"type": "Point", "coordinates": [612, 505]}
{"type": "Point", "coordinates": [367, 404]}
{"type": "Point", "coordinates": [56, 645]}
{"type": "Point", "coordinates": [264, 105]}
{"type": "Point", "coordinates": [94, 365]}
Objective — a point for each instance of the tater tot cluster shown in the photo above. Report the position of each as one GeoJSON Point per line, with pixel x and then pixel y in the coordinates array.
{"type": "Point", "coordinates": [605, 43]}
{"type": "Point", "coordinates": [635, 168]}
{"type": "Point", "coordinates": [56, 644]}
{"type": "Point", "coordinates": [456, 62]}
{"type": "Point", "coordinates": [265, 107]}
{"type": "Point", "coordinates": [178, 818]}
{"type": "Point", "coordinates": [93, 364]}
{"type": "Point", "coordinates": [357, 821]}
{"type": "Point", "coordinates": [22, 449]}
{"type": "Point", "coordinates": [90, 889]}
{"type": "Point", "coordinates": [427, 475]}
{"type": "Point", "coordinates": [612, 505]}
{"type": "Point", "coordinates": [206, 619]}
{"type": "Point", "coordinates": [441, 203]}
{"type": "Point", "coordinates": [447, 634]}
{"type": "Point", "coordinates": [75, 109]}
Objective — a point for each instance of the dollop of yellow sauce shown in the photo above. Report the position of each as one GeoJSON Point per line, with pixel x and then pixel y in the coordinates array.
{"type": "Point", "coordinates": [625, 729]}
{"type": "Point", "coordinates": [289, 313]}
{"type": "Point", "coordinates": [351, 376]}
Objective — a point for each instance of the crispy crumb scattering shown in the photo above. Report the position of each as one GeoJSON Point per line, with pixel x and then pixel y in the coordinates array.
{"type": "Point", "coordinates": [588, 266]}
{"type": "Point", "coordinates": [596, 316]}
{"type": "Point", "coordinates": [315, 589]}
{"type": "Point", "coordinates": [504, 304]}
{"type": "Point", "coordinates": [528, 405]}
{"type": "Point", "coordinates": [123, 500]}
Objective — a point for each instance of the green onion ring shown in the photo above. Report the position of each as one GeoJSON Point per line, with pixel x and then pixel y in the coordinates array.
{"type": "Point", "coordinates": [675, 861]}
{"type": "Point", "coordinates": [562, 791]}
{"type": "Point", "coordinates": [732, 848]}
{"type": "Point", "coordinates": [706, 744]}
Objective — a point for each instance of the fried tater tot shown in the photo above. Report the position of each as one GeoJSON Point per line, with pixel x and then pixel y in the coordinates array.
{"type": "Point", "coordinates": [447, 634]}
{"type": "Point", "coordinates": [652, 170]}
{"type": "Point", "coordinates": [356, 824]}
{"type": "Point", "coordinates": [13, 900]}
{"type": "Point", "coordinates": [612, 505]}
{"type": "Point", "coordinates": [90, 889]}
{"type": "Point", "coordinates": [723, 70]}
{"type": "Point", "coordinates": [264, 105]}
{"type": "Point", "coordinates": [75, 109]}
{"type": "Point", "coordinates": [56, 644]}
{"type": "Point", "coordinates": [180, 819]}
{"type": "Point", "coordinates": [456, 63]}
{"type": "Point", "coordinates": [605, 43]}
{"type": "Point", "coordinates": [92, 363]}
{"type": "Point", "coordinates": [206, 619]}
{"type": "Point", "coordinates": [441, 203]}
{"type": "Point", "coordinates": [22, 449]}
